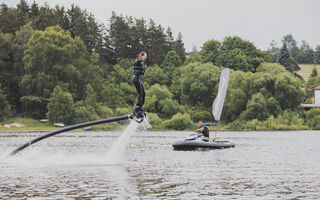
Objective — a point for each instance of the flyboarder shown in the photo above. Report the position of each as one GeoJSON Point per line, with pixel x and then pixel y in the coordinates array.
{"type": "Point", "coordinates": [138, 72]}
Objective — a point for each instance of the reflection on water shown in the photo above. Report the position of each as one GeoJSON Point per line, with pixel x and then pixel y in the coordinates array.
{"type": "Point", "coordinates": [264, 165]}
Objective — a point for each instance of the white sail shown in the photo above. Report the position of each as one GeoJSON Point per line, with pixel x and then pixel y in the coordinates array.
{"type": "Point", "coordinates": [222, 91]}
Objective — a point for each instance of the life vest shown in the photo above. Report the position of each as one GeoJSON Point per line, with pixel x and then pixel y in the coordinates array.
{"type": "Point", "coordinates": [138, 67]}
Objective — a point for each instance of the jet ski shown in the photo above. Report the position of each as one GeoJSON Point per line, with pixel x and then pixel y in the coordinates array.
{"type": "Point", "coordinates": [198, 141]}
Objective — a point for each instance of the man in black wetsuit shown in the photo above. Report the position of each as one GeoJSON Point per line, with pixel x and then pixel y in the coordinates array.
{"type": "Point", "coordinates": [138, 72]}
{"type": "Point", "coordinates": [203, 129]}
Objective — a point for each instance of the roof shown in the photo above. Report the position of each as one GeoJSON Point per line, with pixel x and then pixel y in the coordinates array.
{"type": "Point", "coordinates": [317, 87]}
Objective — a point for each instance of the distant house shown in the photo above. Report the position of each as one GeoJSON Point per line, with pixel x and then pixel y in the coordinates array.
{"type": "Point", "coordinates": [316, 99]}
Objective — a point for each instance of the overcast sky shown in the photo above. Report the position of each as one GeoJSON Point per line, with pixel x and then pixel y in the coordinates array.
{"type": "Point", "coordinates": [259, 21]}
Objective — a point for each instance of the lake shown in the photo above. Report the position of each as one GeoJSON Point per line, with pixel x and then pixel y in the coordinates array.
{"type": "Point", "coordinates": [78, 165]}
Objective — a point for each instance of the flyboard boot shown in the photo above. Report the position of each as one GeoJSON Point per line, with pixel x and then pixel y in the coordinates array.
{"type": "Point", "coordinates": [138, 114]}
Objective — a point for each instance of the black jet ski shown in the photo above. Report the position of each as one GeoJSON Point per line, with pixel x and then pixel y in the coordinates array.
{"type": "Point", "coordinates": [197, 141]}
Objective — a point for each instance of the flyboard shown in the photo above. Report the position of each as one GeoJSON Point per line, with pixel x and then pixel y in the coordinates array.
{"type": "Point", "coordinates": [196, 141]}
{"type": "Point", "coordinates": [137, 116]}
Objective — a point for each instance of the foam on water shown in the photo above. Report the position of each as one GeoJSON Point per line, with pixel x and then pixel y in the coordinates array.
{"type": "Point", "coordinates": [115, 154]}
{"type": "Point", "coordinates": [38, 158]}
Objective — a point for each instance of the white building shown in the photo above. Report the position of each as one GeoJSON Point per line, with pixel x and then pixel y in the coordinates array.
{"type": "Point", "coordinates": [317, 95]}
{"type": "Point", "coordinates": [316, 99]}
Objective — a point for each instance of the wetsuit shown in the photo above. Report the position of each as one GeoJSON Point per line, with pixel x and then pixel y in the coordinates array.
{"type": "Point", "coordinates": [205, 131]}
{"type": "Point", "coordinates": [138, 71]}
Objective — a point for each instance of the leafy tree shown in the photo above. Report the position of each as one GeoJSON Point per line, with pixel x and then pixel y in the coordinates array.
{"type": "Point", "coordinates": [170, 63]}
{"type": "Point", "coordinates": [197, 84]}
{"type": "Point", "coordinates": [273, 106]}
{"type": "Point", "coordinates": [169, 107]}
{"type": "Point", "coordinates": [154, 74]}
{"type": "Point", "coordinates": [306, 53]}
{"type": "Point", "coordinates": [178, 122]}
{"type": "Point", "coordinates": [288, 87]}
{"type": "Point", "coordinates": [61, 106]}
{"type": "Point", "coordinates": [239, 54]}
{"type": "Point", "coordinates": [4, 106]}
{"type": "Point", "coordinates": [9, 20]}
{"type": "Point", "coordinates": [313, 81]}
{"type": "Point", "coordinates": [234, 59]}
{"type": "Point", "coordinates": [104, 111]}
{"type": "Point", "coordinates": [159, 100]}
{"type": "Point", "coordinates": [237, 96]}
{"type": "Point", "coordinates": [91, 97]}
{"type": "Point", "coordinates": [269, 91]}
{"type": "Point", "coordinates": [210, 51]}
{"type": "Point", "coordinates": [19, 45]}
{"type": "Point", "coordinates": [256, 108]}
{"type": "Point", "coordinates": [291, 44]}
{"type": "Point", "coordinates": [171, 60]}
{"type": "Point", "coordinates": [53, 58]}
{"type": "Point", "coordinates": [83, 113]}
{"type": "Point", "coordinates": [193, 57]}
{"type": "Point", "coordinates": [6, 61]}
{"type": "Point", "coordinates": [34, 106]}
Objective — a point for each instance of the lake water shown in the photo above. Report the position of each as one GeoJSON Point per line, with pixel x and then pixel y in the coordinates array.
{"type": "Point", "coordinates": [77, 165]}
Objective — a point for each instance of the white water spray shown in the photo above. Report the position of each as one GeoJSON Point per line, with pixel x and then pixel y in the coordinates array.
{"type": "Point", "coordinates": [115, 154]}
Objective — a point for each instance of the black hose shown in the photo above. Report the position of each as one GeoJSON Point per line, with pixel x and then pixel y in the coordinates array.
{"type": "Point", "coordinates": [76, 126]}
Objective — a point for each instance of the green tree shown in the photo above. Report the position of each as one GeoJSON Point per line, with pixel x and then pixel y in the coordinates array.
{"type": "Point", "coordinates": [53, 58]}
{"type": "Point", "coordinates": [154, 74]}
{"type": "Point", "coordinates": [256, 108]}
{"type": "Point", "coordinates": [197, 84]}
{"type": "Point", "coordinates": [306, 53]}
{"type": "Point", "coordinates": [179, 47]}
{"type": "Point", "coordinates": [178, 122]}
{"type": "Point", "coordinates": [210, 51]}
{"type": "Point", "coordinates": [61, 106]}
{"type": "Point", "coordinates": [288, 87]}
{"type": "Point", "coordinates": [159, 100]}
{"type": "Point", "coordinates": [83, 113]}
{"type": "Point", "coordinates": [170, 64]}
{"type": "Point", "coordinates": [9, 19]}
{"type": "Point", "coordinates": [4, 106]}
{"type": "Point", "coordinates": [172, 59]}
{"type": "Point", "coordinates": [17, 71]}
{"type": "Point", "coordinates": [285, 58]}
{"type": "Point", "coordinates": [234, 59]}
{"type": "Point", "coordinates": [240, 52]}
{"type": "Point", "coordinates": [193, 57]}
{"type": "Point", "coordinates": [91, 97]}
{"type": "Point", "coordinates": [291, 44]}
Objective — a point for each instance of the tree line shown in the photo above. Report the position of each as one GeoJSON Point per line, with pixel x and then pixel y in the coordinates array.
{"type": "Point", "coordinates": [63, 65]}
{"type": "Point", "coordinates": [290, 54]}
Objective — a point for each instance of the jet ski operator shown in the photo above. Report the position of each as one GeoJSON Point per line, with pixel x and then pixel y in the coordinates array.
{"type": "Point", "coordinates": [138, 72]}
{"type": "Point", "coordinates": [203, 129]}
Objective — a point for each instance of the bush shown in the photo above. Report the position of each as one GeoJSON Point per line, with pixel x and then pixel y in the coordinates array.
{"type": "Point", "coordinates": [84, 114]}
{"type": "Point", "coordinates": [60, 107]}
{"type": "Point", "coordinates": [104, 111]}
{"type": "Point", "coordinates": [33, 106]}
{"type": "Point", "coordinates": [313, 118]}
{"type": "Point", "coordinates": [178, 122]}
{"type": "Point", "coordinates": [154, 119]}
